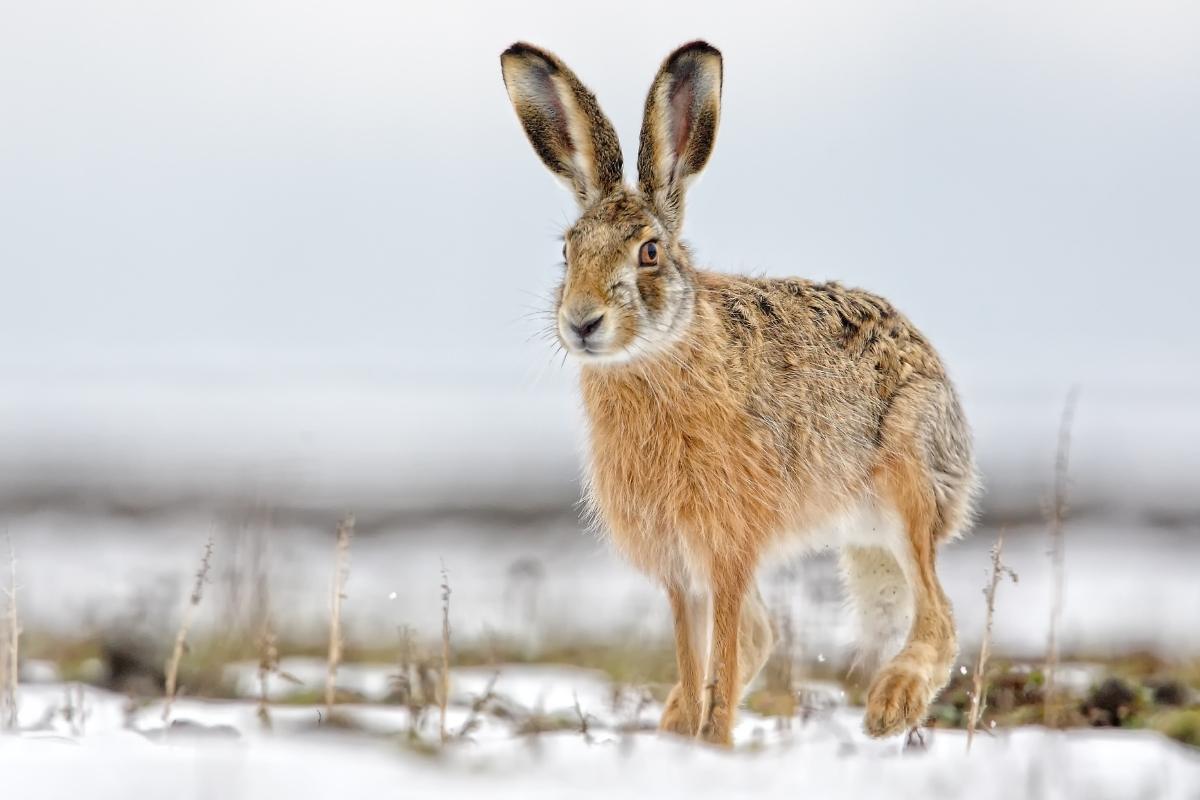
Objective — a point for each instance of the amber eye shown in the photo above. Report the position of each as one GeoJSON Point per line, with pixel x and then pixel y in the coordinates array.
{"type": "Point", "coordinates": [648, 255]}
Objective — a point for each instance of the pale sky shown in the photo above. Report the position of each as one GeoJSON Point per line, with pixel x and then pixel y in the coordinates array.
{"type": "Point", "coordinates": [224, 191]}
{"type": "Point", "coordinates": [344, 182]}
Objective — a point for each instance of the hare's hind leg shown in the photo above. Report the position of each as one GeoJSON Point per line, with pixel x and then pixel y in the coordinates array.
{"type": "Point", "coordinates": [682, 712]}
{"type": "Point", "coordinates": [756, 639]}
{"type": "Point", "coordinates": [899, 696]}
{"type": "Point", "coordinates": [880, 602]}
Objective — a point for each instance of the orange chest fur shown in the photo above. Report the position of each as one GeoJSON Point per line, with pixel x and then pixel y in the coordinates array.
{"type": "Point", "coordinates": [675, 457]}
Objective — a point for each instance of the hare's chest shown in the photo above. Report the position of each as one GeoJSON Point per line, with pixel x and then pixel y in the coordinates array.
{"type": "Point", "coordinates": [674, 479]}
{"type": "Point", "coordinates": [642, 493]}
{"type": "Point", "coordinates": [642, 465]}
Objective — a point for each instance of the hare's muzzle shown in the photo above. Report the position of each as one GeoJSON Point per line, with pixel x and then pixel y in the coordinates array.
{"type": "Point", "coordinates": [584, 331]}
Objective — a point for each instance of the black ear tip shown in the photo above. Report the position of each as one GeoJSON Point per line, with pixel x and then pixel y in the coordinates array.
{"type": "Point", "coordinates": [526, 50]}
{"type": "Point", "coordinates": [697, 47]}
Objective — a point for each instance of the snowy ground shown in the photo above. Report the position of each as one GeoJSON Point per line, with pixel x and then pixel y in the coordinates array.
{"type": "Point", "coordinates": [1129, 586]}
{"type": "Point", "coordinates": [536, 579]}
{"type": "Point", "coordinates": [220, 750]}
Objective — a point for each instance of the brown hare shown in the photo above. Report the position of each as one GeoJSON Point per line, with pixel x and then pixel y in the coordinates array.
{"type": "Point", "coordinates": [731, 417]}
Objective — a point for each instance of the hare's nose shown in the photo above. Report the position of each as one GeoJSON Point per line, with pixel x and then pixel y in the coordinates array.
{"type": "Point", "coordinates": [588, 326]}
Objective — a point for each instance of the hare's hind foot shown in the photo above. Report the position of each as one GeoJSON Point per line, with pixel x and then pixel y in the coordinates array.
{"type": "Point", "coordinates": [898, 699]}
{"type": "Point", "coordinates": [681, 716]}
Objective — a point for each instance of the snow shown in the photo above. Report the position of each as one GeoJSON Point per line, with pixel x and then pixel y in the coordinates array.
{"type": "Point", "coordinates": [544, 580]}
{"type": "Point", "coordinates": [224, 753]}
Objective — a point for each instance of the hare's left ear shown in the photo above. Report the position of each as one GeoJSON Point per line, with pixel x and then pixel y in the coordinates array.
{"type": "Point", "coordinates": [563, 121]}
{"type": "Point", "coordinates": [680, 126]}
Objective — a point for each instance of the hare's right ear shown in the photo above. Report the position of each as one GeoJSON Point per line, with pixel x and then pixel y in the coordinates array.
{"type": "Point", "coordinates": [680, 126]}
{"type": "Point", "coordinates": [563, 122]}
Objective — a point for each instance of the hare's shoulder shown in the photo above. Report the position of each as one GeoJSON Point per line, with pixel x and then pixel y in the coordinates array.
{"type": "Point", "coordinates": [853, 323]}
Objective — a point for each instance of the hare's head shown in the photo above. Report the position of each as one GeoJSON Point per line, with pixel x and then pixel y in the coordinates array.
{"type": "Point", "coordinates": [628, 288]}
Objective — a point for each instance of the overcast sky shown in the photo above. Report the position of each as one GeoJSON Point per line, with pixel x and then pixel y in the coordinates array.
{"type": "Point", "coordinates": [263, 183]}
{"type": "Point", "coordinates": [289, 234]}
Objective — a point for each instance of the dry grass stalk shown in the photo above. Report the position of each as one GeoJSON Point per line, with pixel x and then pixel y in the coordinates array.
{"type": "Point", "coordinates": [403, 686]}
{"type": "Point", "coordinates": [634, 723]}
{"type": "Point", "coordinates": [584, 726]}
{"type": "Point", "coordinates": [414, 685]}
{"type": "Point", "coordinates": [402, 682]}
{"type": "Point", "coordinates": [74, 710]}
{"type": "Point", "coordinates": [185, 625]}
{"type": "Point", "coordinates": [345, 531]}
{"type": "Point", "coordinates": [478, 707]}
{"type": "Point", "coordinates": [1058, 513]}
{"type": "Point", "coordinates": [444, 682]}
{"type": "Point", "coordinates": [999, 570]}
{"type": "Point", "coordinates": [12, 637]}
{"type": "Point", "coordinates": [268, 664]}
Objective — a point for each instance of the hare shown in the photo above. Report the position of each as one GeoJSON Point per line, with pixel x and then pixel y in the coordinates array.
{"type": "Point", "coordinates": [730, 417]}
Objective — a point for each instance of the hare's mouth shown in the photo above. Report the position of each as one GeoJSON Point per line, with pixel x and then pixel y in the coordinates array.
{"type": "Point", "coordinates": [587, 348]}
{"type": "Point", "coordinates": [595, 352]}
{"type": "Point", "coordinates": [600, 357]}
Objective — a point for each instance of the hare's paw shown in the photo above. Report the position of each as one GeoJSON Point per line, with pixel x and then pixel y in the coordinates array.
{"type": "Point", "coordinates": [897, 700]}
{"type": "Point", "coordinates": [681, 715]}
{"type": "Point", "coordinates": [717, 727]}
{"type": "Point", "coordinates": [718, 731]}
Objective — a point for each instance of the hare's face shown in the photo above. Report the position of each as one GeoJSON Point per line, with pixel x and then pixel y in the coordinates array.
{"type": "Point", "coordinates": [627, 290]}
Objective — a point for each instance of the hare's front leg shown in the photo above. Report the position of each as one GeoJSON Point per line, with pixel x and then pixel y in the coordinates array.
{"type": "Point", "coordinates": [755, 641]}
{"type": "Point", "coordinates": [682, 712]}
{"type": "Point", "coordinates": [724, 683]}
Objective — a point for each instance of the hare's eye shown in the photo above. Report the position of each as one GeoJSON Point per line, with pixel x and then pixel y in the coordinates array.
{"type": "Point", "coordinates": [648, 255]}
{"type": "Point", "coordinates": [564, 251]}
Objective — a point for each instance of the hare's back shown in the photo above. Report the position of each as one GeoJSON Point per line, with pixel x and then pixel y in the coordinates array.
{"type": "Point", "coordinates": [802, 329]}
{"type": "Point", "coordinates": [848, 376]}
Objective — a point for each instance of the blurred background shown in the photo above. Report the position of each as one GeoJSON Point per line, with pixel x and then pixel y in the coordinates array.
{"type": "Point", "coordinates": [268, 263]}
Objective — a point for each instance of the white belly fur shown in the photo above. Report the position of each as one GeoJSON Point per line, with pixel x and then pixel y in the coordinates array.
{"type": "Point", "coordinates": [876, 572]}
{"type": "Point", "coordinates": [870, 522]}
